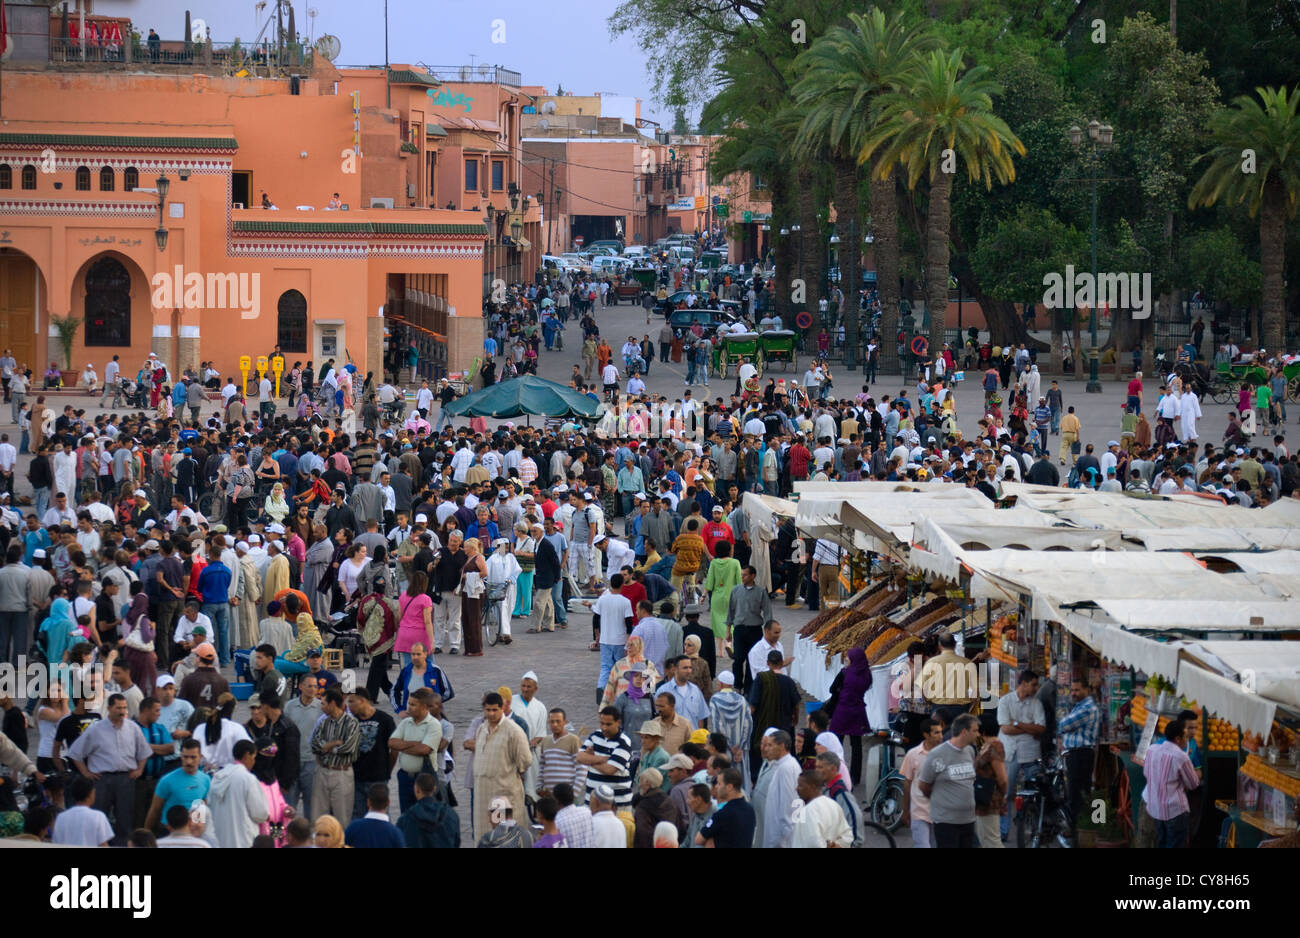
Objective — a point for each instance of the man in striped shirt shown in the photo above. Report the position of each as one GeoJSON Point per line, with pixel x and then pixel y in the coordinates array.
{"type": "Point", "coordinates": [1170, 776]}
{"type": "Point", "coordinates": [336, 741]}
{"type": "Point", "coordinates": [606, 754]}
{"type": "Point", "coordinates": [558, 755]}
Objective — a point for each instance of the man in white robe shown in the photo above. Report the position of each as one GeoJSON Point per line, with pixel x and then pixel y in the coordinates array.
{"type": "Point", "coordinates": [1189, 408]}
{"type": "Point", "coordinates": [533, 712]}
{"type": "Point", "coordinates": [503, 570]}
{"type": "Point", "coordinates": [818, 820]}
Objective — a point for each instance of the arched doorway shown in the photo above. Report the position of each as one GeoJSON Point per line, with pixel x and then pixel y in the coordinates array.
{"type": "Point", "coordinates": [291, 322]}
{"type": "Point", "coordinates": [18, 296]}
{"type": "Point", "coordinates": [108, 304]}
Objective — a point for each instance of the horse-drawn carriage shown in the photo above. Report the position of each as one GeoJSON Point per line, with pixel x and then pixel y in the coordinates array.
{"type": "Point", "coordinates": [779, 345]}
{"type": "Point", "coordinates": [737, 348]}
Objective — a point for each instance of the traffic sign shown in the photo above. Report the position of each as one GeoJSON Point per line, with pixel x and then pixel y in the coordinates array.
{"type": "Point", "coordinates": [803, 320]}
{"type": "Point", "coordinates": [748, 217]}
{"type": "Point", "coordinates": [722, 210]}
{"type": "Point", "coordinates": [919, 346]}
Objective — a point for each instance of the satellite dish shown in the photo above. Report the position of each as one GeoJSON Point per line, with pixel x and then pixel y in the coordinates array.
{"type": "Point", "coordinates": [484, 72]}
{"type": "Point", "coordinates": [548, 107]}
{"type": "Point", "coordinates": [543, 124]}
{"type": "Point", "coordinates": [328, 46]}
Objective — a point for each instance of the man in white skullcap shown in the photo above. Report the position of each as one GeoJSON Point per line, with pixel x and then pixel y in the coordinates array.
{"type": "Point", "coordinates": [533, 712]}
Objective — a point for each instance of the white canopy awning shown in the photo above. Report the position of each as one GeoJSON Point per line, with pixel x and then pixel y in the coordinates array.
{"type": "Point", "coordinates": [1267, 669]}
{"type": "Point", "coordinates": [1202, 614]}
{"type": "Point", "coordinates": [1144, 654]}
{"type": "Point", "coordinates": [1202, 539]}
{"type": "Point", "coordinates": [1225, 699]}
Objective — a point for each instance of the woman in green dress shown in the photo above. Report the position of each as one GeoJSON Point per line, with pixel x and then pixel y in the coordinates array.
{"type": "Point", "coordinates": [724, 576]}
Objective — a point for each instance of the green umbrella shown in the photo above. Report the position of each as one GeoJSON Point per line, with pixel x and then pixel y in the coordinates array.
{"type": "Point", "coordinates": [524, 395]}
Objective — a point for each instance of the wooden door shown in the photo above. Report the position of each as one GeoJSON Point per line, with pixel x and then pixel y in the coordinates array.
{"type": "Point", "coordinates": [18, 309]}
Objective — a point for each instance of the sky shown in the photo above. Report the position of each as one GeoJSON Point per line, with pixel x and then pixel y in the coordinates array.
{"type": "Point", "coordinates": [550, 42]}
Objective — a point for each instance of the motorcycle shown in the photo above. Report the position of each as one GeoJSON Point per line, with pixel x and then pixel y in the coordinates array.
{"type": "Point", "coordinates": [1042, 813]}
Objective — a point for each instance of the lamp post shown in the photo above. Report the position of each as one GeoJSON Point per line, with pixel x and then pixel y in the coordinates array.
{"type": "Point", "coordinates": [164, 186]}
{"type": "Point", "coordinates": [491, 237]}
{"type": "Point", "coordinates": [1100, 137]}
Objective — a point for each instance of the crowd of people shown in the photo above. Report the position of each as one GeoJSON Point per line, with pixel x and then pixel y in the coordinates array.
{"type": "Point", "coordinates": [165, 551]}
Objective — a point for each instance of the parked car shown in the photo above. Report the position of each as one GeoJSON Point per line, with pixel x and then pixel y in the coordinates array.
{"type": "Point", "coordinates": [636, 251]}
{"type": "Point", "coordinates": [578, 262]}
{"type": "Point", "coordinates": [612, 244]}
{"type": "Point", "coordinates": [708, 319]}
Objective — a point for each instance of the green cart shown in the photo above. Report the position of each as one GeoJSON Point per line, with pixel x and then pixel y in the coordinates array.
{"type": "Point", "coordinates": [736, 350]}
{"type": "Point", "coordinates": [779, 346]}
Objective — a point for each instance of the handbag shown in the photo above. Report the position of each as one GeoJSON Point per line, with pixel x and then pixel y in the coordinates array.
{"type": "Point", "coordinates": [474, 588]}
{"type": "Point", "coordinates": [984, 791]}
{"type": "Point", "coordinates": [1076, 447]}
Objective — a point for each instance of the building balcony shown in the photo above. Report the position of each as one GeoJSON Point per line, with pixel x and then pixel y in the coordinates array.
{"type": "Point", "coordinates": [216, 58]}
{"type": "Point", "coordinates": [477, 74]}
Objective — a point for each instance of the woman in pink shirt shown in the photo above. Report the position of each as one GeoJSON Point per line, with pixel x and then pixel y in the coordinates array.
{"type": "Point", "coordinates": [415, 617]}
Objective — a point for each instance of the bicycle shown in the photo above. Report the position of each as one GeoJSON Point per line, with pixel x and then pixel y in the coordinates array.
{"type": "Point", "coordinates": [492, 600]}
{"type": "Point", "coordinates": [886, 803]}
{"type": "Point", "coordinates": [876, 836]}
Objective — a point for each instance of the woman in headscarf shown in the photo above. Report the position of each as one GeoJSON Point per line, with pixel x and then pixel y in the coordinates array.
{"type": "Point", "coordinates": [701, 675]}
{"type": "Point", "coordinates": [635, 706]}
{"type": "Point", "coordinates": [278, 812]}
{"type": "Point", "coordinates": [328, 832]}
{"type": "Point", "coordinates": [275, 506]}
{"type": "Point", "coordinates": [525, 550]}
{"type": "Point", "coordinates": [849, 717]}
{"type": "Point", "coordinates": [217, 733]}
{"type": "Point", "coordinates": [618, 680]}
{"type": "Point", "coordinates": [829, 742]}
{"type": "Point", "coordinates": [138, 649]}
{"type": "Point", "coordinates": [472, 578]}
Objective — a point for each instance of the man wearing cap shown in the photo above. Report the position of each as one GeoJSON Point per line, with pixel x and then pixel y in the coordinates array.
{"type": "Point", "coordinates": [204, 685]}
{"type": "Point", "coordinates": [174, 714]}
{"type": "Point", "coordinates": [608, 830]}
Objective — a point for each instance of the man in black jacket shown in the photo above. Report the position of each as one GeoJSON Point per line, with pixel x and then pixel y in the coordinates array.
{"type": "Point", "coordinates": [339, 515]}
{"type": "Point", "coordinates": [1042, 472]}
{"type": "Point", "coordinates": [547, 574]}
{"type": "Point", "coordinates": [287, 739]}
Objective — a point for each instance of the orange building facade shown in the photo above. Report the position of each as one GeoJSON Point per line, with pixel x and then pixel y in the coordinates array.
{"type": "Point", "coordinates": [209, 275]}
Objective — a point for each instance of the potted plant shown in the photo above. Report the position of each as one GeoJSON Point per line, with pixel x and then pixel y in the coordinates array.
{"type": "Point", "coordinates": [67, 327]}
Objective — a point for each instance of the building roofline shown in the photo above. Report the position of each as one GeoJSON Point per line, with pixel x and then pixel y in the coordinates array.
{"type": "Point", "coordinates": [119, 142]}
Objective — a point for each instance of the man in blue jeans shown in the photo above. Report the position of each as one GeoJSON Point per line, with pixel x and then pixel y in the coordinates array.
{"type": "Point", "coordinates": [615, 612]}
{"type": "Point", "coordinates": [214, 590]}
{"type": "Point", "coordinates": [1021, 721]}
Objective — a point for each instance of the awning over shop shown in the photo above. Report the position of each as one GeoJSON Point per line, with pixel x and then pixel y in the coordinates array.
{"type": "Point", "coordinates": [1144, 654]}
{"type": "Point", "coordinates": [1199, 539]}
{"type": "Point", "coordinates": [1202, 614]}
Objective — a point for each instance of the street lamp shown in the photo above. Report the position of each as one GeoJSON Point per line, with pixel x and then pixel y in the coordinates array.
{"type": "Point", "coordinates": [164, 186]}
{"type": "Point", "coordinates": [491, 236]}
{"type": "Point", "coordinates": [1100, 137]}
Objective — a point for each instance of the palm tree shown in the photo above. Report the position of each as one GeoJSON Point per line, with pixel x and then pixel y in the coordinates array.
{"type": "Point", "coordinates": [754, 142]}
{"type": "Point", "coordinates": [845, 74]}
{"type": "Point", "coordinates": [1268, 134]}
{"type": "Point", "coordinates": [939, 122]}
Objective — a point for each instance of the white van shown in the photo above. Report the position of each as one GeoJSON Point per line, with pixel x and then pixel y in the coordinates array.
{"type": "Point", "coordinates": [635, 251]}
{"type": "Point", "coordinates": [609, 265]}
